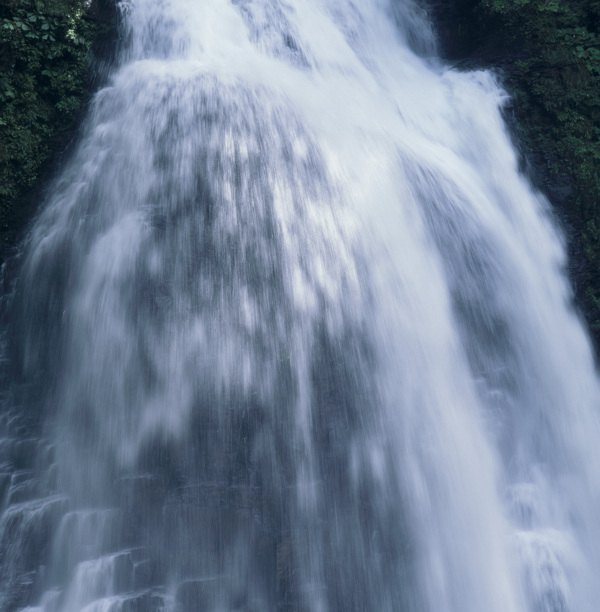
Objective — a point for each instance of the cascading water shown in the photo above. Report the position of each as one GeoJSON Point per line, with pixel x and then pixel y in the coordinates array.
{"type": "Point", "coordinates": [292, 333]}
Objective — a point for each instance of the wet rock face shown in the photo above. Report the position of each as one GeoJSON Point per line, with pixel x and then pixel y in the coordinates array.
{"type": "Point", "coordinates": [27, 521]}
{"type": "Point", "coordinates": [470, 36]}
{"type": "Point", "coordinates": [105, 10]}
{"type": "Point", "coordinates": [457, 27]}
{"type": "Point", "coordinates": [55, 556]}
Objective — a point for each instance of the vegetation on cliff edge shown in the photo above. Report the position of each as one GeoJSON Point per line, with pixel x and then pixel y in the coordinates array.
{"type": "Point", "coordinates": [548, 53]}
{"type": "Point", "coordinates": [44, 65]}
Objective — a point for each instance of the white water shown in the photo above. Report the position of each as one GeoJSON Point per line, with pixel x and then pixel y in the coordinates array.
{"type": "Point", "coordinates": [292, 265]}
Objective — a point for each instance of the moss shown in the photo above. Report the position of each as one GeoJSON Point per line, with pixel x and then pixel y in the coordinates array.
{"type": "Point", "coordinates": [44, 82]}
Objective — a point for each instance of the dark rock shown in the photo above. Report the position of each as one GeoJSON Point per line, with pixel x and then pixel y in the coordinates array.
{"type": "Point", "coordinates": [5, 480]}
{"type": "Point", "coordinates": [26, 530]}
{"type": "Point", "coordinates": [22, 487]}
{"type": "Point", "coordinates": [145, 574]}
{"type": "Point", "coordinates": [200, 595]}
{"type": "Point", "coordinates": [123, 572]}
{"type": "Point", "coordinates": [138, 603]}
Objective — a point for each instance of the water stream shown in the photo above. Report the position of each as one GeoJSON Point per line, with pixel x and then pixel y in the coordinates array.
{"type": "Point", "coordinates": [292, 333]}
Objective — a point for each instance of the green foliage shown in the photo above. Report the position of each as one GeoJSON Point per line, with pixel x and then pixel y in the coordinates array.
{"type": "Point", "coordinates": [44, 61]}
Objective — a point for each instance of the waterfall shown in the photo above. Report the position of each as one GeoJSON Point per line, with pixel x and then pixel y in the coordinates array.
{"type": "Point", "coordinates": [291, 332]}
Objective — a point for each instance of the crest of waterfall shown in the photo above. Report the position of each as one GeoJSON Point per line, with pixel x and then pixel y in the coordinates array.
{"type": "Point", "coordinates": [292, 332]}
